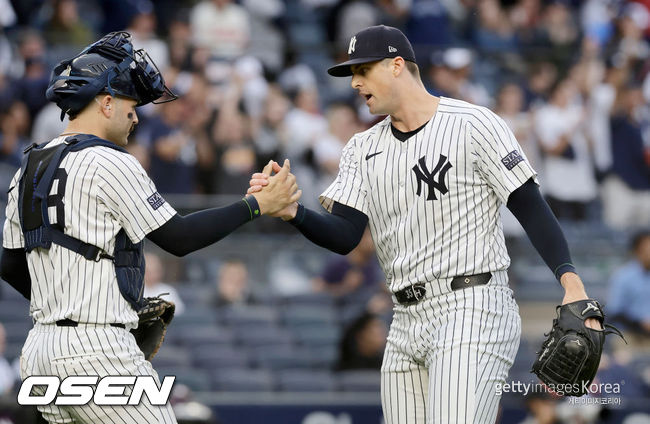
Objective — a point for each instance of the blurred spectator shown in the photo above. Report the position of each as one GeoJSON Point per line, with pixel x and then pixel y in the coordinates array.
{"type": "Point", "coordinates": [179, 41]}
{"type": "Point", "coordinates": [459, 63]}
{"type": "Point", "coordinates": [173, 149]}
{"type": "Point", "coordinates": [558, 31]}
{"type": "Point", "coordinates": [234, 151]}
{"type": "Point", "coordinates": [600, 104]}
{"type": "Point", "coordinates": [31, 87]}
{"type": "Point", "coordinates": [541, 77]}
{"type": "Point", "coordinates": [8, 375]}
{"type": "Point", "coordinates": [14, 134]}
{"type": "Point", "coordinates": [267, 42]}
{"type": "Point", "coordinates": [154, 285]}
{"type": "Point", "coordinates": [596, 18]}
{"type": "Point", "coordinates": [296, 76]}
{"type": "Point", "coordinates": [7, 53]}
{"type": "Point", "coordinates": [352, 17]}
{"type": "Point", "coordinates": [524, 16]}
{"type": "Point", "coordinates": [613, 370]}
{"type": "Point", "coordinates": [357, 273]}
{"type": "Point", "coordinates": [232, 285]}
{"type": "Point", "coordinates": [362, 346]}
{"type": "Point", "coordinates": [65, 29]}
{"type": "Point", "coordinates": [271, 134]}
{"type": "Point", "coordinates": [343, 123]}
{"type": "Point", "coordinates": [48, 124]}
{"type": "Point", "coordinates": [494, 32]}
{"type": "Point", "coordinates": [7, 14]}
{"type": "Point", "coordinates": [428, 26]}
{"type": "Point", "coordinates": [305, 124]}
{"type": "Point", "coordinates": [143, 35]}
{"type": "Point", "coordinates": [572, 413]}
{"type": "Point", "coordinates": [626, 190]}
{"type": "Point", "coordinates": [629, 296]}
{"type": "Point", "coordinates": [542, 409]}
{"type": "Point", "coordinates": [568, 172]}
{"type": "Point", "coordinates": [630, 43]}
{"type": "Point", "coordinates": [249, 79]}
{"type": "Point", "coordinates": [440, 80]}
{"type": "Point", "coordinates": [220, 26]}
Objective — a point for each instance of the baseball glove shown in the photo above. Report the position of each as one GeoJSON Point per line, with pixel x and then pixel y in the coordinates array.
{"type": "Point", "coordinates": [154, 317]}
{"type": "Point", "coordinates": [570, 355]}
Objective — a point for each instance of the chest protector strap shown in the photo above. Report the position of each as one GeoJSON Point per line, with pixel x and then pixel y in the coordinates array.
{"type": "Point", "coordinates": [39, 170]}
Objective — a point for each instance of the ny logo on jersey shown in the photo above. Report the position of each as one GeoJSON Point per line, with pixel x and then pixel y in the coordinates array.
{"type": "Point", "coordinates": [422, 174]}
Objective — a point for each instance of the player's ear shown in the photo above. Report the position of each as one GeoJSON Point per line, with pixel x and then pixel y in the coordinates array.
{"type": "Point", "coordinates": [397, 66]}
{"type": "Point", "coordinates": [106, 103]}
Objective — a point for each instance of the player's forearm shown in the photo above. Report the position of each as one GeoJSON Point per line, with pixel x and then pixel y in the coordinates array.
{"type": "Point", "coordinates": [339, 231]}
{"type": "Point", "coordinates": [544, 232]}
{"type": "Point", "coordinates": [185, 234]}
{"type": "Point", "coordinates": [14, 270]}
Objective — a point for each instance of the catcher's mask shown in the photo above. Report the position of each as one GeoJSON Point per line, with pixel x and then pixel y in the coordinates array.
{"type": "Point", "coordinates": [112, 66]}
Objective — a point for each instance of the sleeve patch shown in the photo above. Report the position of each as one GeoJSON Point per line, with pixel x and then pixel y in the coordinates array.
{"type": "Point", "coordinates": [512, 159]}
{"type": "Point", "coordinates": [156, 200]}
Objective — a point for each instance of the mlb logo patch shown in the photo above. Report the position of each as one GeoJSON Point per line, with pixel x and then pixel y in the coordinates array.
{"type": "Point", "coordinates": [512, 159]}
{"type": "Point", "coordinates": [155, 200]}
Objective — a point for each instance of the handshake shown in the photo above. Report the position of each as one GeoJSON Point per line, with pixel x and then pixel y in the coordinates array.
{"type": "Point", "coordinates": [277, 195]}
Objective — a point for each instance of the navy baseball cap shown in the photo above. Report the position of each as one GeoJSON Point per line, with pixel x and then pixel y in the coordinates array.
{"type": "Point", "coordinates": [372, 44]}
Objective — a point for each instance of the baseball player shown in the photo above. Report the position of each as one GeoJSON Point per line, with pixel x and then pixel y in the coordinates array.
{"type": "Point", "coordinates": [78, 212]}
{"type": "Point", "coordinates": [429, 180]}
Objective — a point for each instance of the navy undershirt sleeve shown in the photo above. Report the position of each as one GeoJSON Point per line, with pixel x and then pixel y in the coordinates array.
{"type": "Point", "coordinates": [185, 234]}
{"type": "Point", "coordinates": [14, 270]}
{"type": "Point", "coordinates": [339, 231]}
{"type": "Point", "coordinates": [541, 226]}
{"type": "Point", "coordinates": [179, 236]}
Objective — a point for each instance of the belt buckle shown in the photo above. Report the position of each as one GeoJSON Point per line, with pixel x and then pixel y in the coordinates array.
{"type": "Point", "coordinates": [413, 294]}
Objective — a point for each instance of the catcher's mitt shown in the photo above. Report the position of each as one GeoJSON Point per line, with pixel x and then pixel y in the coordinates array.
{"type": "Point", "coordinates": [154, 317]}
{"type": "Point", "coordinates": [570, 355]}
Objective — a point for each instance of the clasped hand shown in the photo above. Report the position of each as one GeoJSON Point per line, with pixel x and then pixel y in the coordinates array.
{"type": "Point", "coordinates": [276, 194]}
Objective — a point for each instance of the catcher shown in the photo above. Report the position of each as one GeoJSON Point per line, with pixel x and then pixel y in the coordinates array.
{"type": "Point", "coordinates": [78, 211]}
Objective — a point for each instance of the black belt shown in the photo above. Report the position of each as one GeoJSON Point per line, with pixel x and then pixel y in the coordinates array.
{"type": "Point", "coordinates": [414, 293]}
{"type": "Point", "coordinates": [70, 323]}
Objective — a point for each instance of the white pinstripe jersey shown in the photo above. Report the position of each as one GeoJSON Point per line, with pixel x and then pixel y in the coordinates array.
{"type": "Point", "coordinates": [105, 190]}
{"type": "Point", "coordinates": [435, 234]}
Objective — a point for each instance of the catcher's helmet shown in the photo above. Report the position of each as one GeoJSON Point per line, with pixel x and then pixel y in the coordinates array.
{"type": "Point", "coordinates": [109, 65]}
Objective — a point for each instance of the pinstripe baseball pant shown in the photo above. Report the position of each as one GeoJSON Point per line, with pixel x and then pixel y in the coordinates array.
{"type": "Point", "coordinates": [97, 350]}
{"type": "Point", "coordinates": [445, 355]}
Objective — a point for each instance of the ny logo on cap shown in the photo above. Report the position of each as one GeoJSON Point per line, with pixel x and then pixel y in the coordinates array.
{"type": "Point", "coordinates": [353, 42]}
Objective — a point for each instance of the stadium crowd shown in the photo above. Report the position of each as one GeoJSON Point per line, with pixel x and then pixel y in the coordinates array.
{"type": "Point", "coordinates": [570, 77]}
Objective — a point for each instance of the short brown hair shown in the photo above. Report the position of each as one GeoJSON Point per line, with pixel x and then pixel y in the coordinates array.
{"type": "Point", "coordinates": [413, 69]}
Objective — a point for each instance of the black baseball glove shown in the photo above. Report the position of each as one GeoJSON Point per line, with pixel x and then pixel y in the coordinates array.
{"type": "Point", "coordinates": [570, 355]}
{"type": "Point", "coordinates": [154, 317]}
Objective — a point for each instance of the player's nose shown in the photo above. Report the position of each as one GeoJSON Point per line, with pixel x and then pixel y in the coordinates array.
{"type": "Point", "coordinates": [355, 82]}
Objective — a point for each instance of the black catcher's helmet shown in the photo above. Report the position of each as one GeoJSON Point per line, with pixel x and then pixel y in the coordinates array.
{"type": "Point", "coordinates": [109, 65]}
